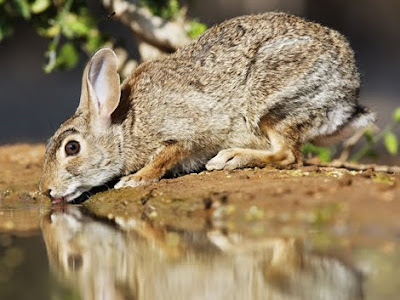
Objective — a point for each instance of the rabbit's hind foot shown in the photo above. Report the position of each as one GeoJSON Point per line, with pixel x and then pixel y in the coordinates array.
{"type": "Point", "coordinates": [236, 158]}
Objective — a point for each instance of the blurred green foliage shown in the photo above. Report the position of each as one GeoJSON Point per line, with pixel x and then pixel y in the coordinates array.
{"type": "Point", "coordinates": [195, 29]}
{"type": "Point", "coordinates": [391, 143]}
{"type": "Point", "coordinates": [324, 153]}
{"type": "Point", "coordinates": [68, 23]}
{"type": "Point", "coordinates": [170, 10]}
{"type": "Point", "coordinates": [390, 140]}
{"type": "Point", "coordinates": [166, 9]}
{"type": "Point", "coordinates": [72, 28]}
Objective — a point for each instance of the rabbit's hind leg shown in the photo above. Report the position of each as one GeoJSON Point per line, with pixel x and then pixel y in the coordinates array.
{"type": "Point", "coordinates": [235, 158]}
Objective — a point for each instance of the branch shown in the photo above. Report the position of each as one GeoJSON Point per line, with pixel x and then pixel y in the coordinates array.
{"type": "Point", "coordinates": [349, 144]}
{"type": "Point", "coordinates": [148, 51]}
{"type": "Point", "coordinates": [354, 166]}
{"type": "Point", "coordinates": [165, 35]}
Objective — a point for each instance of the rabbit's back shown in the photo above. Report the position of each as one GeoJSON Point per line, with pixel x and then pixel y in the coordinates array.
{"type": "Point", "coordinates": [279, 67]}
{"type": "Point", "coordinates": [298, 77]}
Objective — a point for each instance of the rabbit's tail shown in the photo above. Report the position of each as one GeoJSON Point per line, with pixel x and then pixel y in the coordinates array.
{"type": "Point", "coordinates": [360, 119]}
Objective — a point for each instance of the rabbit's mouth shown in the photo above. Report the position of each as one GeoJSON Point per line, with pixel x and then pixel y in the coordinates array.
{"type": "Point", "coordinates": [80, 195]}
{"type": "Point", "coordinates": [75, 197]}
{"type": "Point", "coordinates": [67, 198]}
{"type": "Point", "coordinates": [57, 200]}
{"type": "Point", "coordinates": [83, 193]}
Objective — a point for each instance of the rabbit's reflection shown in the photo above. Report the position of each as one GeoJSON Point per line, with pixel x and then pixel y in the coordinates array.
{"type": "Point", "coordinates": [103, 260]}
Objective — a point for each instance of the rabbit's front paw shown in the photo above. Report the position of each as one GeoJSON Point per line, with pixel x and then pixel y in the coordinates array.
{"type": "Point", "coordinates": [228, 159]}
{"type": "Point", "coordinates": [130, 181]}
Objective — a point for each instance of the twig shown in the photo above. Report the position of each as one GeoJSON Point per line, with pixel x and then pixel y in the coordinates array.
{"type": "Point", "coordinates": [148, 51]}
{"type": "Point", "coordinates": [349, 144]}
{"type": "Point", "coordinates": [354, 166]}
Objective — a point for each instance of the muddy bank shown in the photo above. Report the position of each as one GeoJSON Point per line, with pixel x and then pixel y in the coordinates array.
{"type": "Point", "coordinates": [20, 202]}
{"type": "Point", "coordinates": [301, 199]}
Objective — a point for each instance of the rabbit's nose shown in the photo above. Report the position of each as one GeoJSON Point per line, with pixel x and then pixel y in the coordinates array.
{"type": "Point", "coordinates": [47, 193]}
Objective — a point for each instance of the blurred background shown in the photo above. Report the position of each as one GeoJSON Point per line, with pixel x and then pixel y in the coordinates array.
{"type": "Point", "coordinates": [34, 103]}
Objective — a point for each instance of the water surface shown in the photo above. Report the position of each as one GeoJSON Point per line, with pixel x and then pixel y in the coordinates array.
{"type": "Point", "coordinates": [73, 254]}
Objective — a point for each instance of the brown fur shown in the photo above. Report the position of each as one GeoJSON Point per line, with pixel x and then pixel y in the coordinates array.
{"type": "Point", "coordinates": [248, 92]}
{"type": "Point", "coordinates": [168, 157]}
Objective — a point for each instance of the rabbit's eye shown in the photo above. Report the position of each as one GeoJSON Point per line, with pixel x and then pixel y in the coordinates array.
{"type": "Point", "coordinates": [72, 148]}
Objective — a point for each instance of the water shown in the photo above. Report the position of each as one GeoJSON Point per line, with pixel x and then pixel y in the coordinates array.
{"type": "Point", "coordinates": [66, 252]}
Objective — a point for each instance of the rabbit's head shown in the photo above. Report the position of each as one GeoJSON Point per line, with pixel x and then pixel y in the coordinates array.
{"type": "Point", "coordinates": [84, 151]}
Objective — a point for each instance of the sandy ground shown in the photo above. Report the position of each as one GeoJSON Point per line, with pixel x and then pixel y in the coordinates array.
{"type": "Point", "coordinates": [351, 201]}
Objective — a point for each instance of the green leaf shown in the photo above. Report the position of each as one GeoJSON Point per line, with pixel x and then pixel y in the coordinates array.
{"type": "Point", "coordinates": [50, 31]}
{"type": "Point", "coordinates": [369, 136]}
{"type": "Point", "coordinates": [23, 8]}
{"type": "Point", "coordinates": [39, 6]}
{"type": "Point", "coordinates": [171, 11]}
{"type": "Point", "coordinates": [396, 115]}
{"type": "Point", "coordinates": [324, 154]}
{"type": "Point", "coordinates": [94, 41]}
{"type": "Point", "coordinates": [166, 9]}
{"type": "Point", "coordinates": [68, 56]}
{"type": "Point", "coordinates": [391, 143]}
{"type": "Point", "coordinates": [195, 29]}
{"type": "Point", "coordinates": [74, 26]}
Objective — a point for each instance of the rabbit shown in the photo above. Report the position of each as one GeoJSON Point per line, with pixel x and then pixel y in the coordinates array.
{"type": "Point", "coordinates": [248, 92]}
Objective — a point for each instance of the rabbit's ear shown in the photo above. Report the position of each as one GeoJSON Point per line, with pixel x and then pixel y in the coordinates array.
{"type": "Point", "coordinates": [100, 88]}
